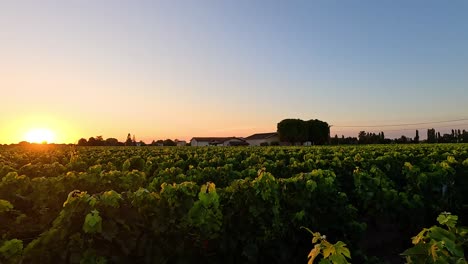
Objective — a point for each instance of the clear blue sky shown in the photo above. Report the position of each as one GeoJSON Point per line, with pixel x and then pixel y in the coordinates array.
{"type": "Point", "coordinates": [179, 69]}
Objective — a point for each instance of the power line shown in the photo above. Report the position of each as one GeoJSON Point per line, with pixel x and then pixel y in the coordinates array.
{"type": "Point", "coordinates": [420, 128]}
{"type": "Point", "coordinates": [410, 124]}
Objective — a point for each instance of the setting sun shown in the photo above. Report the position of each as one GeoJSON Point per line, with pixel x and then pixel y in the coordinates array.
{"type": "Point", "coordinates": [40, 135]}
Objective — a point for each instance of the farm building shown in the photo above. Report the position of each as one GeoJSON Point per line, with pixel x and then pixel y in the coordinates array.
{"type": "Point", "coordinates": [258, 139]}
{"type": "Point", "coordinates": [217, 141]}
{"type": "Point", "coordinates": [180, 143]}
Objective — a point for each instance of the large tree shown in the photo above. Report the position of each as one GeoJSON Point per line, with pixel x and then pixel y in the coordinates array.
{"type": "Point", "coordinates": [431, 135]}
{"type": "Point", "coordinates": [318, 132]}
{"type": "Point", "coordinates": [82, 142]}
{"type": "Point", "coordinates": [299, 131]}
{"type": "Point", "coordinates": [92, 141]}
{"type": "Point", "coordinates": [129, 141]}
{"type": "Point", "coordinates": [112, 142]}
{"type": "Point", "coordinates": [292, 130]}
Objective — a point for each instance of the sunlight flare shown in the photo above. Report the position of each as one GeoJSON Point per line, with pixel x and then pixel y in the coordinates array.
{"type": "Point", "coordinates": [40, 135]}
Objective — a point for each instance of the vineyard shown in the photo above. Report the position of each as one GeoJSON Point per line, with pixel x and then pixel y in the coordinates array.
{"type": "Point", "coordinates": [65, 204]}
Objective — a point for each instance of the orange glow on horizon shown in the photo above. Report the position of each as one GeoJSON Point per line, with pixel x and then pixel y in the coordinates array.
{"type": "Point", "coordinates": [39, 128]}
{"type": "Point", "coordinates": [40, 135]}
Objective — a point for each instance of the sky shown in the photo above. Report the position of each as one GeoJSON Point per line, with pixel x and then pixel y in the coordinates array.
{"type": "Point", "coordinates": [180, 69]}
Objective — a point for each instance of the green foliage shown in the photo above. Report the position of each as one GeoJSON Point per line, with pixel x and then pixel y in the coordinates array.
{"type": "Point", "coordinates": [93, 222]}
{"type": "Point", "coordinates": [90, 257]}
{"type": "Point", "coordinates": [205, 213]}
{"type": "Point", "coordinates": [235, 205]}
{"type": "Point", "coordinates": [111, 198]}
{"type": "Point", "coordinates": [336, 253]}
{"type": "Point", "coordinates": [11, 251]}
{"type": "Point", "coordinates": [439, 245]}
{"type": "Point", "coordinates": [5, 206]}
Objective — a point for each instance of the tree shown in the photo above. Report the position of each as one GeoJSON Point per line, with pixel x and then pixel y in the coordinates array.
{"type": "Point", "coordinates": [82, 142]}
{"type": "Point", "coordinates": [112, 142]}
{"type": "Point", "coordinates": [416, 138]}
{"type": "Point", "coordinates": [292, 130]}
{"type": "Point", "coordinates": [92, 141]}
{"type": "Point", "coordinates": [464, 136]}
{"type": "Point", "coordinates": [299, 131]}
{"type": "Point", "coordinates": [318, 132]}
{"type": "Point", "coordinates": [100, 141]}
{"type": "Point", "coordinates": [403, 139]}
{"type": "Point", "coordinates": [129, 141]}
{"type": "Point", "coordinates": [169, 142]}
{"type": "Point", "coordinates": [362, 137]}
{"type": "Point", "coordinates": [431, 136]}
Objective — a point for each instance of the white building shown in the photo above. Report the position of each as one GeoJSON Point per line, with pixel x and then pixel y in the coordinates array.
{"type": "Point", "coordinates": [180, 143]}
{"type": "Point", "coordinates": [258, 139]}
{"type": "Point", "coordinates": [217, 141]}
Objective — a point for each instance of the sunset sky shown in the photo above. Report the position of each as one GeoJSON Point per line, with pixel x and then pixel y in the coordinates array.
{"type": "Point", "coordinates": [179, 69]}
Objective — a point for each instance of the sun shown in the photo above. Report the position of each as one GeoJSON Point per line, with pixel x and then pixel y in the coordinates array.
{"type": "Point", "coordinates": [40, 135]}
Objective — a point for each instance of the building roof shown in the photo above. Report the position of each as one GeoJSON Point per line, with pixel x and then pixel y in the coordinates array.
{"type": "Point", "coordinates": [215, 139]}
{"type": "Point", "coordinates": [261, 136]}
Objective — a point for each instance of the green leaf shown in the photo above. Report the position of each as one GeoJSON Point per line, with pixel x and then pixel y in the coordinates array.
{"type": "Point", "coordinates": [93, 223]}
{"type": "Point", "coordinates": [439, 234]}
{"type": "Point", "coordinates": [447, 219]}
{"type": "Point", "coordinates": [5, 206]}
{"type": "Point", "coordinates": [341, 249]}
{"type": "Point", "coordinates": [338, 259]}
{"type": "Point", "coordinates": [111, 198]}
{"type": "Point", "coordinates": [456, 250]}
{"type": "Point", "coordinates": [420, 249]}
{"type": "Point", "coordinates": [11, 248]}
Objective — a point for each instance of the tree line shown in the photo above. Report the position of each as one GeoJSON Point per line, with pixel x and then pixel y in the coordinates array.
{"type": "Point", "coordinates": [457, 136]}
{"type": "Point", "coordinates": [130, 141]}
{"type": "Point", "coordinates": [298, 132]}
{"type": "Point", "coordinates": [317, 132]}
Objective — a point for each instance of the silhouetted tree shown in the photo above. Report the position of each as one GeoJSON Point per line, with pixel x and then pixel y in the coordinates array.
{"type": "Point", "coordinates": [431, 136]}
{"type": "Point", "coordinates": [112, 142]}
{"type": "Point", "coordinates": [362, 137]}
{"type": "Point", "coordinates": [382, 137]}
{"type": "Point", "coordinates": [92, 141]}
{"type": "Point", "coordinates": [99, 141]}
{"type": "Point", "coordinates": [292, 130]}
{"type": "Point", "coordinates": [129, 141]}
{"type": "Point", "coordinates": [82, 142]}
{"type": "Point", "coordinates": [169, 142]}
{"type": "Point", "coordinates": [318, 132]}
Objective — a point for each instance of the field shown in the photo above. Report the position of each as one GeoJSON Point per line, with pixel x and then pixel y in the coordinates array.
{"type": "Point", "coordinates": [65, 204]}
